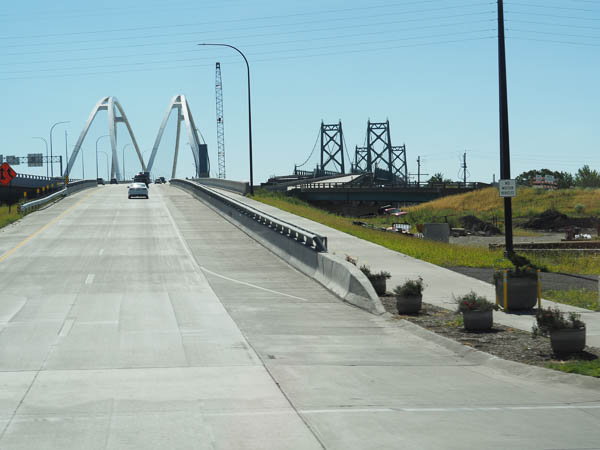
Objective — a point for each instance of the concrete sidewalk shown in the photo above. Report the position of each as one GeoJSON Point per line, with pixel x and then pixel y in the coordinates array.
{"type": "Point", "coordinates": [441, 284]}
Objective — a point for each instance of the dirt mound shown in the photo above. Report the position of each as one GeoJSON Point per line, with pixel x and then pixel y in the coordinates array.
{"type": "Point", "coordinates": [473, 224]}
{"type": "Point", "coordinates": [553, 220]}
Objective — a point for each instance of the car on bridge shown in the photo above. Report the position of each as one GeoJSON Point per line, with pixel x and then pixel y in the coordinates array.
{"type": "Point", "coordinates": [137, 190]}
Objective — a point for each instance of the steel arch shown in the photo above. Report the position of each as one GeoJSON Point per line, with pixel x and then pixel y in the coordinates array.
{"type": "Point", "coordinates": [109, 104]}
{"type": "Point", "coordinates": [184, 114]}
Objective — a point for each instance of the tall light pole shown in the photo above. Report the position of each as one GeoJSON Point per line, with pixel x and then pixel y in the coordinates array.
{"type": "Point", "coordinates": [107, 172]}
{"type": "Point", "coordinates": [504, 136]}
{"type": "Point", "coordinates": [105, 135]}
{"type": "Point", "coordinates": [45, 142]}
{"type": "Point", "coordinates": [124, 147]}
{"type": "Point", "coordinates": [51, 164]}
{"type": "Point", "coordinates": [66, 155]}
{"type": "Point", "coordinates": [249, 110]}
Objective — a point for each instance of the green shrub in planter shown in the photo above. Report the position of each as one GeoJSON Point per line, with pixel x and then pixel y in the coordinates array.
{"type": "Point", "coordinates": [477, 311]}
{"type": "Point", "coordinates": [378, 280]}
{"type": "Point", "coordinates": [567, 334]}
{"type": "Point", "coordinates": [409, 296]}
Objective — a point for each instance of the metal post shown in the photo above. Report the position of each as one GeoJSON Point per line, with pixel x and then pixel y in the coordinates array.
{"type": "Point", "coordinates": [51, 161]}
{"type": "Point", "coordinates": [45, 142]}
{"type": "Point", "coordinates": [107, 172]}
{"type": "Point", "coordinates": [66, 154]}
{"type": "Point", "coordinates": [249, 110]}
{"type": "Point", "coordinates": [504, 135]}
{"type": "Point", "coordinates": [124, 147]}
{"type": "Point", "coordinates": [105, 135]}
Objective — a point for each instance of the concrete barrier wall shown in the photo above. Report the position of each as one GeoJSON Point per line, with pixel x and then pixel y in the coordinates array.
{"type": "Point", "coordinates": [333, 272]}
{"type": "Point", "coordinates": [73, 187]}
{"type": "Point", "coordinates": [239, 187]}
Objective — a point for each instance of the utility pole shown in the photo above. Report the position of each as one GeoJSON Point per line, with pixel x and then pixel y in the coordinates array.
{"type": "Point", "coordinates": [464, 168]}
{"type": "Point", "coordinates": [418, 174]}
{"type": "Point", "coordinates": [504, 135]}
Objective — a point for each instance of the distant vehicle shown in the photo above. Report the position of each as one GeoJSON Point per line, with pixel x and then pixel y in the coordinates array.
{"type": "Point", "coordinates": [142, 177]}
{"type": "Point", "coordinates": [113, 181]}
{"type": "Point", "coordinates": [101, 181]}
{"type": "Point", "coordinates": [163, 179]}
{"type": "Point", "coordinates": [137, 190]}
{"type": "Point", "coordinates": [158, 181]}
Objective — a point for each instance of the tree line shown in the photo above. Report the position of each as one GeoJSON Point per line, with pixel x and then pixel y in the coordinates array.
{"type": "Point", "coordinates": [584, 177]}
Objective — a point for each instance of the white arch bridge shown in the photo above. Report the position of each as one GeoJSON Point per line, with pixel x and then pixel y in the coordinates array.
{"type": "Point", "coordinates": [116, 115]}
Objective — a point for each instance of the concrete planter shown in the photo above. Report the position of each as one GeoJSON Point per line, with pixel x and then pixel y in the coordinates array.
{"type": "Point", "coordinates": [379, 285]}
{"type": "Point", "coordinates": [567, 340]}
{"type": "Point", "coordinates": [521, 293]}
{"type": "Point", "coordinates": [478, 320]}
{"type": "Point", "coordinates": [409, 305]}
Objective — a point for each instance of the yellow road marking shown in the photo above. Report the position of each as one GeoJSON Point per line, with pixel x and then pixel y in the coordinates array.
{"type": "Point", "coordinates": [35, 233]}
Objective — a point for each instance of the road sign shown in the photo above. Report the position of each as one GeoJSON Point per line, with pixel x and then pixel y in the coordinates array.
{"type": "Point", "coordinates": [14, 160]}
{"type": "Point", "coordinates": [507, 188]}
{"type": "Point", "coordinates": [6, 174]}
{"type": "Point", "coordinates": [35, 159]}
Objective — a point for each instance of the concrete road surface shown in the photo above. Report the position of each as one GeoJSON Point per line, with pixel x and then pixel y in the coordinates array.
{"type": "Point", "coordinates": [156, 324]}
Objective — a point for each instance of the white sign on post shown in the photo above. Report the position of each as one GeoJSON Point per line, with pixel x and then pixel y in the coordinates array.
{"type": "Point", "coordinates": [507, 188]}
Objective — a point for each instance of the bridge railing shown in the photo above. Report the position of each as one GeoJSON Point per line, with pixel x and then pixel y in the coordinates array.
{"type": "Point", "coordinates": [429, 186]}
{"type": "Point", "coordinates": [298, 234]}
{"type": "Point", "coordinates": [70, 189]}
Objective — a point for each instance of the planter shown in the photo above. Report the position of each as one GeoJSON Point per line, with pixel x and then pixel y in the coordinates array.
{"type": "Point", "coordinates": [378, 284]}
{"type": "Point", "coordinates": [478, 320]}
{"type": "Point", "coordinates": [521, 293]}
{"type": "Point", "coordinates": [567, 340]}
{"type": "Point", "coordinates": [409, 305]}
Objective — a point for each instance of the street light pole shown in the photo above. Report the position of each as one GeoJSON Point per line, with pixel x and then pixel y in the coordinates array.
{"type": "Point", "coordinates": [504, 136]}
{"type": "Point", "coordinates": [51, 163]}
{"type": "Point", "coordinates": [124, 147]}
{"type": "Point", "coordinates": [105, 135]}
{"type": "Point", "coordinates": [249, 110]}
{"type": "Point", "coordinates": [107, 172]}
{"type": "Point", "coordinates": [45, 142]}
{"type": "Point", "coordinates": [66, 155]}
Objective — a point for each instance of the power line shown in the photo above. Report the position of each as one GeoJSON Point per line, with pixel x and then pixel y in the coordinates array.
{"type": "Point", "coordinates": [326, 47]}
{"type": "Point", "coordinates": [275, 17]}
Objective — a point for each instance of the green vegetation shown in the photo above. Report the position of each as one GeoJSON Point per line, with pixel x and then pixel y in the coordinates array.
{"type": "Point", "coordinates": [582, 298]}
{"type": "Point", "coordinates": [8, 217]}
{"type": "Point", "coordinates": [448, 255]}
{"type": "Point", "coordinates": [589, 368]}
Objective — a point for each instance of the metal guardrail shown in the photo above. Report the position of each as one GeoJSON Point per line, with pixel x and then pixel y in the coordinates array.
{"type": "Point", "coordinates": [37, 203]}
{"type": "Point", "coordinates": [71, 188]}
{"type": "Point", "coordinates": [301, 235]}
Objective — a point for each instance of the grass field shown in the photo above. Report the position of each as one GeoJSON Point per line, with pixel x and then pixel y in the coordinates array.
{"type": "Point", "coordinates": [438, 253]}
{"type": "Point", "coordinates": [488, 206]}
{"type": "Point", "coordinates": [6, 217]}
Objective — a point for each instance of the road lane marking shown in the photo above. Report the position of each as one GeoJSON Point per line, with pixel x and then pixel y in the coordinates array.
{"type": "Point", "coordinates": [204, 269]}
{"type": "Point", "coordinates": [90, 278]}
{"type": "Point", "coordinates": [101, 251]}
{"type": "Point", "coordinates": [66, 328]}
{"type": "Point", "coordinates": [35, 233]}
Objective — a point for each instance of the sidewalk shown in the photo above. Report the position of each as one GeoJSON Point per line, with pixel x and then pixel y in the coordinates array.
{"type": "Point", "coordinates": [441, 284]}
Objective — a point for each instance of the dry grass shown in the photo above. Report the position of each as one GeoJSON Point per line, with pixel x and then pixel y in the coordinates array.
{"type": "Point", "coordinates": [437, 253]}
{"type": "Point", "coordinates": [7, 217]}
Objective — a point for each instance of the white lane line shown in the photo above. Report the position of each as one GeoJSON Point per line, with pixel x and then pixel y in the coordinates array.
{"type": "Point", "coordinates": [66, 328]}
{"type": "Point", "coordinates": [90, 278]}
{"type": "Point", "coordinates": [448, 410]}
{"type": "Point", "coordinates": [101, 251]}
{"type": "Point", "coordinates": [204, 269]}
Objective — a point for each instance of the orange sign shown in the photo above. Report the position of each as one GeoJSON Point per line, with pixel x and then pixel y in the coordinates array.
{"type": "Point", "coordinates": [6, 174]}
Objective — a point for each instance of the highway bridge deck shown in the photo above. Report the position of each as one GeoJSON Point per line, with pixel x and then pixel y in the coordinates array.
{"type": "Point", "coordinates": [155, 324]}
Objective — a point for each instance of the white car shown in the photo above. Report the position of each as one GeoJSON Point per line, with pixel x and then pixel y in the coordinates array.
{"type": "Point", "coordinates": [137, 190]}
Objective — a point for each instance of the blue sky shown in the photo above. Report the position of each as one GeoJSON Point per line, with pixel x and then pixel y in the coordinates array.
{"type": "Point", "coordinates": [428, 66]}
